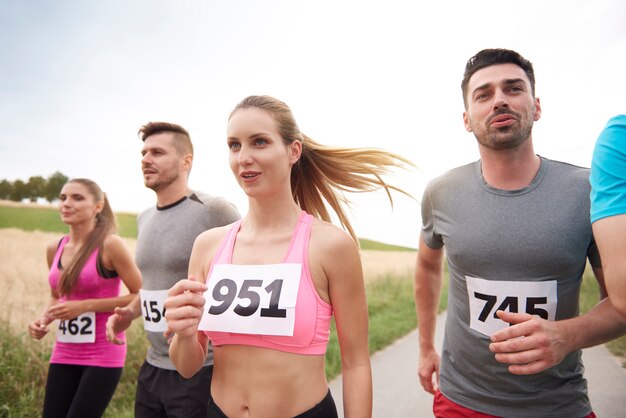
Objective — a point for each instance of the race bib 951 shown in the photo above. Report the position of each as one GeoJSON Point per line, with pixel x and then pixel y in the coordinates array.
{"type": "Point", "coordinates": [252, 299]}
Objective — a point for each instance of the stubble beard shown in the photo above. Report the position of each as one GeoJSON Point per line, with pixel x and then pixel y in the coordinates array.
{"type": "Point", "coordinates": [508, 137]}
{"type": "Point", "coordinates": [160, 184]}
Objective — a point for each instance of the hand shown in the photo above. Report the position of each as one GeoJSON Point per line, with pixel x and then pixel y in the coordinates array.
{"type": "Point", "coordinates": [184, 307]}
{"type": "Point", "coordinates": [531, 345]}
{"type": "Point", "coordinates": [39, 328]}
{"type": "Point", "coordinates": [428, 370]}
{"type": "Point", "coordinates": [118, 322]}
{"type": "Point", "coordinates": [69, 309]}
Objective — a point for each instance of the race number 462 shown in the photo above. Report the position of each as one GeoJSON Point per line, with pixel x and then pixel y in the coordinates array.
{"type": "Point", "coordinates": [81, 329]}
{"type": "Point", "coordinates": [486, 297]}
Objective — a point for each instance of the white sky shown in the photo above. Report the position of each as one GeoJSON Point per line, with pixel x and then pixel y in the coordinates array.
{"type": "Point", "coordinates": [78, 78]}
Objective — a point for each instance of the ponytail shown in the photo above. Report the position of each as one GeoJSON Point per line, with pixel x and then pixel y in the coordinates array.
{"type": "Point", "coordinates": [105, 225]}
{"type": "Point", "coordinates": [324, 173]}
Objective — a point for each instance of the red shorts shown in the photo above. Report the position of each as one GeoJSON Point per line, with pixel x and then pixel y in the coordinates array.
{"type": "Point", "coordinates": [445, 408]}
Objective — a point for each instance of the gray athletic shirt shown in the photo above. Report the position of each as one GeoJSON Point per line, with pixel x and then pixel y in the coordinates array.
{"type": "Point", "coordinates": [164, 241]}
{"type": "Point", "coordinates": [540, 233]}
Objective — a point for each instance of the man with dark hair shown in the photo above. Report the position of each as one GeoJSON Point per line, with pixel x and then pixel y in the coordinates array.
{"type": "Point", "coordinates": [166, 233]}
{"type": "Point", "coordinates": [517, 236]}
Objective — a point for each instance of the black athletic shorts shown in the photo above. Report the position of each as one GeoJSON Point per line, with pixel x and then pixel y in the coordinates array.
{"type": "Point", "coordinates": [325, 409]}
{"type": "Point", "coordinates": [165, 393]}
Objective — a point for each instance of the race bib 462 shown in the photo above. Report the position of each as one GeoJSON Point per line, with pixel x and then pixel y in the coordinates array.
{"type": "Point", "coordinates": [81, 329]}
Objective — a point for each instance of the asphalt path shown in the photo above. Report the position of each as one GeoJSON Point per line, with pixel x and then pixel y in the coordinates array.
{"type": "Point", "coordinates": [398, 393]}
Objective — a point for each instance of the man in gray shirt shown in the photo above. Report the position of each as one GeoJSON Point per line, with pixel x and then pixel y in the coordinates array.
{"type": "Point", "coordinates": [517, 236]}
{"type": "Point", "coordinates": [166, 234]}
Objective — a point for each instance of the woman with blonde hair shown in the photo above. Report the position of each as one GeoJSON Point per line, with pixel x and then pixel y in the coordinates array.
{"type": "Point", "coordinates": [273, 280]}
{"type": "Point", "coordinates": [87, 268]}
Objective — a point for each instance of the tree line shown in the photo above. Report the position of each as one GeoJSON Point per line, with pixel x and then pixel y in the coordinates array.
{"type": "Point", "coordinates": [34, 188]}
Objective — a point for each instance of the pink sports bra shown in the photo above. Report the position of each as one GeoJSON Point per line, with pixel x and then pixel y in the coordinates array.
{"type": "Point", "coordinates": [312, 314]}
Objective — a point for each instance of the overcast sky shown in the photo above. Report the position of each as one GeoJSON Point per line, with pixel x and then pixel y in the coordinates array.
{"type": "Point", "coordinates": [78, 78]}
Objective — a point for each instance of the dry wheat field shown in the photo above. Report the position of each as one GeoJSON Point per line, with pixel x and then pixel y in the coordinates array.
{"type": "Point", "coordinates": [24, 272]}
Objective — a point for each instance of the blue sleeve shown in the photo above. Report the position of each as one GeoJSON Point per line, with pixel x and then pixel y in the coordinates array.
{"type": "Point", "coordinates": [608, 171]}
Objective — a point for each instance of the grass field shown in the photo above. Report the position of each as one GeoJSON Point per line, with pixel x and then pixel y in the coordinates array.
{"type": "Point", "coordinates": [33, 217]}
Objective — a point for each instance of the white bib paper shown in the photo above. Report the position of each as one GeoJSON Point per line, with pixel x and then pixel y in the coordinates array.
{"type": "Point", "coordinates": [252, 299]}
{"type": "Point", "coordinates": [488, 296]}
{"type": "Point", "coordinates": [81, 329]}
{"type": "Point", "coordinates": [153, 310]}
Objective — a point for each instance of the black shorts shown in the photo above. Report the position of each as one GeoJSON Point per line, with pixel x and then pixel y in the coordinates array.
{"type": "Point", "coordinates": [165, 393]}
{"type": "Point", "coordinates": [325, 409]}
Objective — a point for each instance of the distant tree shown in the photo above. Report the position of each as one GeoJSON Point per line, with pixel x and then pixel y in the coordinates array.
{"type": "Point", "coordinates": [6, 188]}
{"type": "Point", "coordinates": [19, 191]}
{"type": "Point", "coordinates": [54, 185]}
{"type": "Point", "coordinates": [35, 187]}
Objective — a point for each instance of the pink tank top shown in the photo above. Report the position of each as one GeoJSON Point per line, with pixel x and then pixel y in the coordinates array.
{"type": "Point", "coordinates": [312, 314]}
{"type": "Point", "coordinates": [90, 285]}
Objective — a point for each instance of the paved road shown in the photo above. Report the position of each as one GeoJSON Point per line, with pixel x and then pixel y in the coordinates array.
{"type": "Point", "coordinates": [398, 394]}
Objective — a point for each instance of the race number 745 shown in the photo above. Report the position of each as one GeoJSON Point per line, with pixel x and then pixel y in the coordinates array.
{"type": "Point", "coordinates": [486, 297]}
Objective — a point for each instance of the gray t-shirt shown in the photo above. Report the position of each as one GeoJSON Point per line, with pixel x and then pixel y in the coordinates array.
{"type": "Point", "coordinates": [495, 239]}
{"type": "Point", "coordinates": [164, 241]}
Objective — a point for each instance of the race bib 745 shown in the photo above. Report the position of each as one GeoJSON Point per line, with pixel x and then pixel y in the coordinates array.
{"type": "Point", "coordinates": [488, 296]}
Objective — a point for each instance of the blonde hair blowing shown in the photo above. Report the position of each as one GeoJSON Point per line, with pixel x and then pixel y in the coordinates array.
{"type": "Point", "coordinates": [324, 173]}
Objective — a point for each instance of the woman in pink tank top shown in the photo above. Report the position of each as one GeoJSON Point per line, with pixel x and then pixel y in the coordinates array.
{"type": "Point", "coordinates": [87, 268]}
{"type": "Point", "coordinates": [273, 280]}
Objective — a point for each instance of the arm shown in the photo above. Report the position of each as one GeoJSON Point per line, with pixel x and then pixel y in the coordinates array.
{"type": "Point", "coordinates": [342, 266]}
{"type": "Point", "coordinates": [39, 327]}
{"type": "Point", "coordinates": [115, 256]}
{"type": "Point", "coordinates": [122, 318]}
{"type": "Point", "coordinates": [183, 311]}
{"type": "Point", "coordinates": [546, 343]}
{"type": "Point", "coordinates": [428, 282]}
{"type": "Point", "coordinates": [610, 235]}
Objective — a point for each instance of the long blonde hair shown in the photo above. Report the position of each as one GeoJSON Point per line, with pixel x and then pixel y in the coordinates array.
{"type": "Point", "coordinates": [324, 173]}
{"type": "Point", "coordinates": [104, 225]}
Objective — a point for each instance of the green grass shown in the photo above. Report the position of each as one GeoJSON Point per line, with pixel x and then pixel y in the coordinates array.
{"type": "Point", "coordinates": [589, 296]}
{"type": "Point", "coordinates": [23, 365]}
{"type": "Point", "coordinates": [391, 315]}
{"type": "Point", "coordinates": [367, 244]}
{"type": "Point", "coordinates": [47, 219]}
{"type": "Point", "coordinates": [123, 402]}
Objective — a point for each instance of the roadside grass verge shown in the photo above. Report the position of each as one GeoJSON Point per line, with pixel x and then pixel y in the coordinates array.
{"type": "Point", "coordinates": [47, 219]}
{"type": "Point", "coordinates": [589, 296]}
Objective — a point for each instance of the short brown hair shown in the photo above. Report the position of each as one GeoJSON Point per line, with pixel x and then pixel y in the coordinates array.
{"type": "Point", "coordinates": [182, 140]}
{"type": "Point", "coordinates": [488, 57]}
